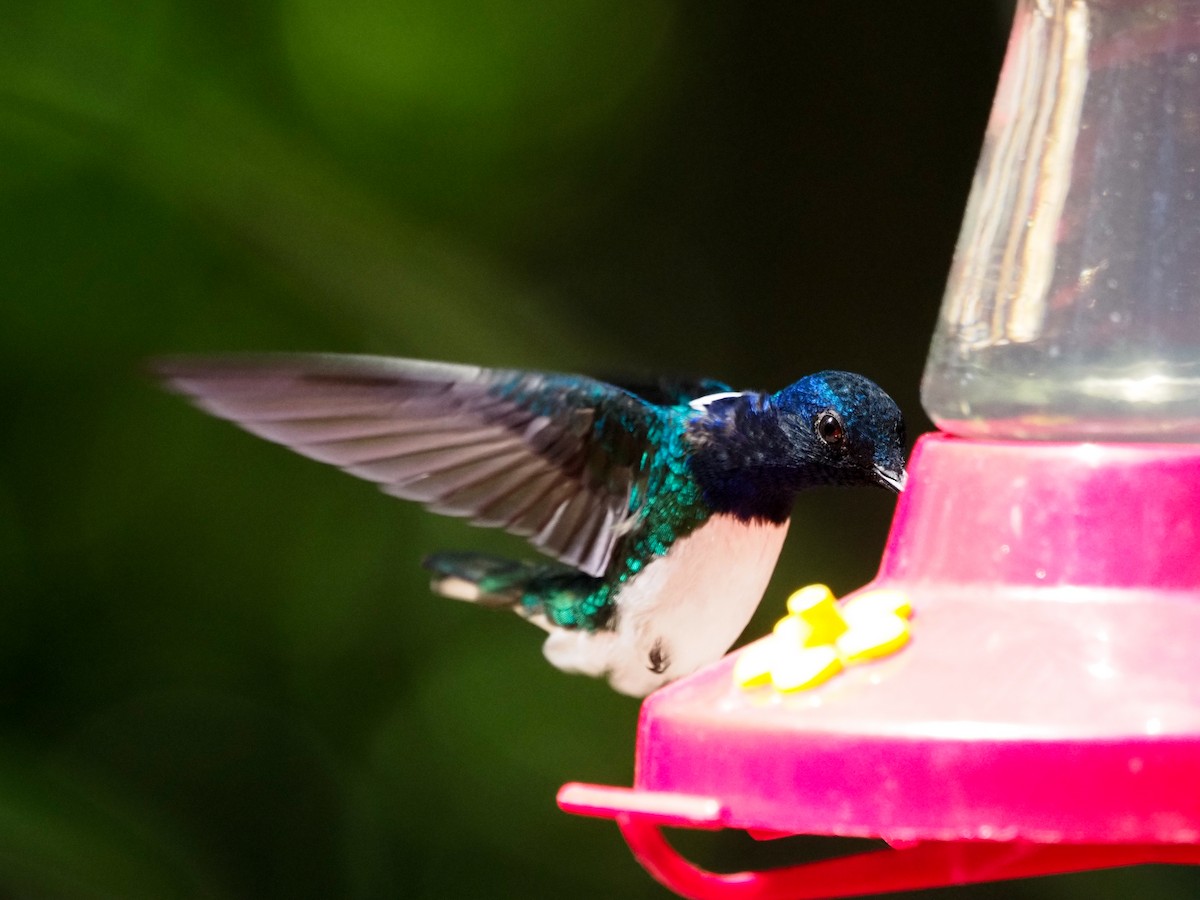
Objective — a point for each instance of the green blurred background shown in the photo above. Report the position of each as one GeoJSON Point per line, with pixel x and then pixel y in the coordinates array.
{"type": "Point", "coordinates": [221, 672]}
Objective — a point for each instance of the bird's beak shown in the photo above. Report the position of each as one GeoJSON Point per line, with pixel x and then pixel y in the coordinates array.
{"type": "Point", "coordinates": [892, 479]}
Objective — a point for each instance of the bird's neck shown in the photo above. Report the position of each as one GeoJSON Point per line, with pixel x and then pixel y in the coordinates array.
{"type": "Point", "coordinates": [742, 460]}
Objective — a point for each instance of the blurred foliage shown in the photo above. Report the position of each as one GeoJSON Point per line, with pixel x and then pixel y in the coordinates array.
{"type": "Point", "coordinates": [221, 673]}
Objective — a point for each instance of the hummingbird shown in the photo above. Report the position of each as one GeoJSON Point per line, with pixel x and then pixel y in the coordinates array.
{"type": "Point", "coordinates": [662, 505]}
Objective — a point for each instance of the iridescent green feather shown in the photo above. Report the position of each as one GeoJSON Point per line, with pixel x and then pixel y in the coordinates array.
{"type": "Point", "coordinates": [668, 506]}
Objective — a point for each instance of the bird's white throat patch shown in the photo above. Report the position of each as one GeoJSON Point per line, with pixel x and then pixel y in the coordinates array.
{"type": "Point", "coordinates": [681, 612]}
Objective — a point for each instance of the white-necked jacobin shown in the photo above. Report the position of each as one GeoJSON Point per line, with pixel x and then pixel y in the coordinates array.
{"type": "Point", "coordinates": [665, 504]}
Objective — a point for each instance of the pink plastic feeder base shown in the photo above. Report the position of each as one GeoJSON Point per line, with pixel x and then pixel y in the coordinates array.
{"type": "Point", "coordinates": [1044, 718]}
{"type": "Point", "coordinates": [929, 864]}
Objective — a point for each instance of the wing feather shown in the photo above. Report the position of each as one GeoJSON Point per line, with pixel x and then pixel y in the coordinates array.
{"type": "Point", "coordinates": [346, 451]}
{"type": "Point", "coordinates": [550, 457]}
{"type": "Point", "coordinates": [401, 469]}
{"type": "Point", "coordinates": [522, 509]}
{"type": "Point", "coordinates": [438, 485]}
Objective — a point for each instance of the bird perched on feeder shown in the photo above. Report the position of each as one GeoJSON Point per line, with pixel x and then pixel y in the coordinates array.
{"type": "Point", "coordinates": [664, 505]}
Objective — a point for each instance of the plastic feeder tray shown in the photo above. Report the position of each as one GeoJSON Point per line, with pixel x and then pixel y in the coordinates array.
{"type": "Point", "coordinates": [1044, 719]}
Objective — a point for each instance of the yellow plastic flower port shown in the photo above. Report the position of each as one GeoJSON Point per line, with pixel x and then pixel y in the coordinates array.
{"type": "Point", "coordinates": [816, 607]}
{"type": "Point", "coordinates": [872, 637]}
{"type": "Point", "coordinates": [883, 600]}
{"type": "Point", "coordinates": [806, 669]}
{"type": "Point", "coordinates": [818, 638]}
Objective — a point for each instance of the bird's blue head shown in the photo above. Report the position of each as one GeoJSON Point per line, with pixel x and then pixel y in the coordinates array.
{"type": "Point", "coordinates": [752, 453]}
{"type": "Point", "coordinates": [844, 429]}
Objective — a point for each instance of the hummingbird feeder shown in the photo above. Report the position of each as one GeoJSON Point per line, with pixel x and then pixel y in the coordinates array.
{"type": "Point", "coordinates": [1041, 712]}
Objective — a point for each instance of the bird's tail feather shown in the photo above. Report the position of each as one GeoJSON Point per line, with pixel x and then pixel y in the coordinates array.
{"type": "Point", "coordinates": [547, 594]}
{"type": "Point", "coordinates": [479, 578]}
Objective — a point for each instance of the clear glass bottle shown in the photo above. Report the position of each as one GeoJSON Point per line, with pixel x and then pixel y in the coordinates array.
{"type": "Point", "coordinates": [1073, 306]}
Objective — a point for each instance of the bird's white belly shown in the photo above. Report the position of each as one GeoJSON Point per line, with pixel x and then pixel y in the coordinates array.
{"type": "Point", "coordinates": [691, 604]}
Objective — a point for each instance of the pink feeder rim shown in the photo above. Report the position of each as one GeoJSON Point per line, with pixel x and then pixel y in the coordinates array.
{"type": "Point", "coordinates": [1045, 717]}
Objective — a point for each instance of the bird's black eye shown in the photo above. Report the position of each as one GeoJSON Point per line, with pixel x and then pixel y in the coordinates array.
{"type": "Point", "coordinates": [830, 428]}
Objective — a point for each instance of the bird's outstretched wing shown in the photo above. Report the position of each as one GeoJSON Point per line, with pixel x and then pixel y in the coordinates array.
{"type": "Point", "coordinates": [553, 458]}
